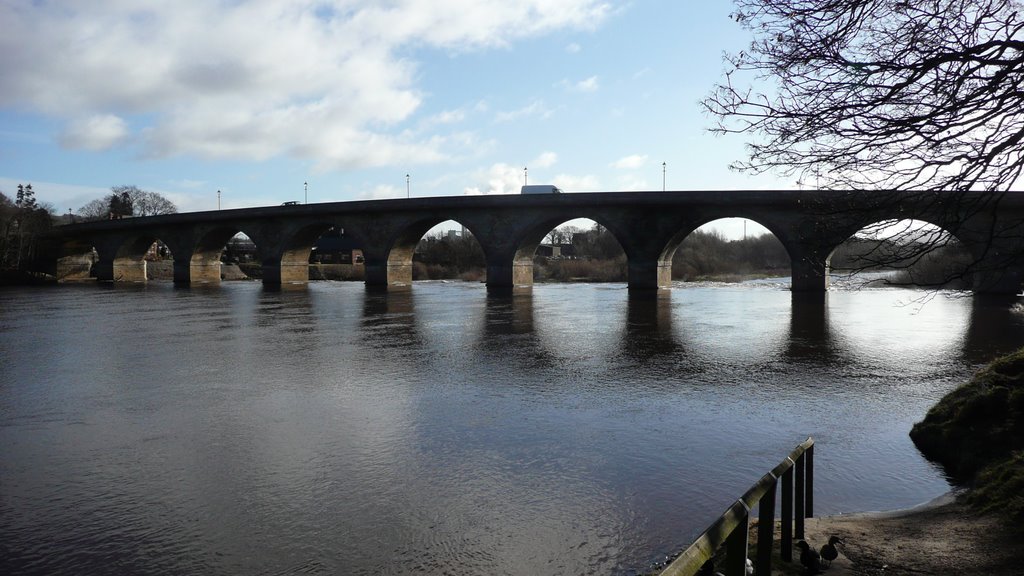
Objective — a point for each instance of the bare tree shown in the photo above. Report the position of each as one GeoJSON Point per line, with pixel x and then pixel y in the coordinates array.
{"type": "Point", "coordinates": [887, 95]}
{"type": "Point", "coordinates": [127, 201]}
{"type": "Point", "coordinates": [144, 202]}
{"type": "Point", "coordinates": [883, 94]}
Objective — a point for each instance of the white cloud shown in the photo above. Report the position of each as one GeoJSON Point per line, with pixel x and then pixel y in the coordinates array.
{"type": "Point", "coordinates": [536, 108]}
{"type": "Point", "coordinates": [446, 117]}
{"type": "Point", "coordinates": [500, 178]}
{"type": "Point", "coordinates": [504, 178]}
{"type": "Point", "coordinates": [631, 162]}
{"type": "Point", "coordinates": [545, 160]}
{"type": "Point", "coordinates": [322, 80]}
{"type": "Point", "coordinates": [60, 196]}
{"type": "Point", "coordinates": [586, 85]}
{"type": "Point", "coordinates": [97, 132]}
{"type": "Point", "coordinates": [570, 183]}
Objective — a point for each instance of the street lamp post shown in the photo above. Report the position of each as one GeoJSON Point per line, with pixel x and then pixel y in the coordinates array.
{"type": "Point", "coordinates": [524, 176]}
{"type": "Point", "coordinates": [305, 192]}
{"type": "Point", "coordinates": [664, 167]}
{"type": "Point", "coordinates": [408, 189]}
{"type": "Point", "coordinates": [218, 199]}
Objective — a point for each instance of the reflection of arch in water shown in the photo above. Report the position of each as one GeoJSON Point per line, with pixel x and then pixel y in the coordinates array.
{"type": "Point", "coordinates": [995, 327]}
{"type": "Point", "coordinates": [648, 332]}
{"type": "Point", "coordinates": [810, 336]}
{"type": "Point", "coordinates": [389, 319]}
{"type": "Point", "coordinates": [507, 314]}
{"type": "Point", "coordinates": [509, 335]}
{"type": "Point", "coordinates": [286, 308]}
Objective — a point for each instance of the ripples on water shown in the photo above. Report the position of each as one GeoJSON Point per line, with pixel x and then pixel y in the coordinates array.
{"type": "Point", "coordinates": [327, 430]}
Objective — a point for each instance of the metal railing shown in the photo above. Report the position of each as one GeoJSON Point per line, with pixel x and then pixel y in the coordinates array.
{"type": "Point", "coordinates": [732, 527]}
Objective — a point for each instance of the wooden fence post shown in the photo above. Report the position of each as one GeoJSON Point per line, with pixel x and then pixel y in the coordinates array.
{"type": "Point", "coordinates": [799, 497]}
{"type": "Point", "coordinates": [786, 542]}
{"type": "Point", "coordinates": [765, 529]}
{"type": "Point", "coordinates": [736, 546]}
{"type": "Point", "coordinates": [809, 483]}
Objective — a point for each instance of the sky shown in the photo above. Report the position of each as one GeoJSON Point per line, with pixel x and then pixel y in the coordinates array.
{"type": "Point", "coordinates": [268, 101]}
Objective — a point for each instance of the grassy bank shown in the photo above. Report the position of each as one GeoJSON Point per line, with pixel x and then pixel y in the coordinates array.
{"type": "Point", "coordinates": [976, 433]}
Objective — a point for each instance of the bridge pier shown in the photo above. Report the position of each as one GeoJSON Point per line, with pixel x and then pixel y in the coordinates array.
{"type": "Point", "coordinates": [809, 275]}
{"type": "Point", "coordinates": [1006, 281]}
{"type": "Point", "coordinates": [389, 276]}
{"type": "Point", "coordinates": [507, 273]}
{"type": "Point", "coordinates": [200, 272]}
{"type": "Point", "coordinates": [277, 273]}
{"type": "Point", "coordinates": [649, 275]}
{"type": "Point", "coordinates": [120, 270]}
{"type": "Point", "coordinates": [74, 267]}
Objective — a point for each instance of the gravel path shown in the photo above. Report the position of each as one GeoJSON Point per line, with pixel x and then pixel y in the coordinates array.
{"type": "Point", "coordinates": [942, 537]}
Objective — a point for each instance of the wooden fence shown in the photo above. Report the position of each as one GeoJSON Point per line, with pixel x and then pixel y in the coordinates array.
{"type": "Point", "coordinates": [732, 527]}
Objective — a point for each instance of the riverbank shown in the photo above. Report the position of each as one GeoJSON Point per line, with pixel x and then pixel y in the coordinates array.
{"type": "Point", "coordinates": [945, 536]}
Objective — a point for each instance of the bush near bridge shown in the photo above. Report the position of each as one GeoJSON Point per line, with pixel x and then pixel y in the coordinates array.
{"type": "Point", "coordinates": [976, 433]}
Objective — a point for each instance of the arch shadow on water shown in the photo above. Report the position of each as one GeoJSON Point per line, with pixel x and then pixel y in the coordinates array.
{"type": "Point", "coordinates": [509, 329]}
{"type": "Point", "coordinates": [810, 336]}
{"type": "Point", "coordinates": [389, 319]}
{"type": "Point", "coordinates": [995, 327]}
{"type": "Point", "coordinates": [647, 332]}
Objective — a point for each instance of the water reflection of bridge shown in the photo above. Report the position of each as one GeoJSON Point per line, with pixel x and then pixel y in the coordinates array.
{"type": "Point", "coordinates": [643, 328]}
{"type": "Point", "coordinates": [648, 225]}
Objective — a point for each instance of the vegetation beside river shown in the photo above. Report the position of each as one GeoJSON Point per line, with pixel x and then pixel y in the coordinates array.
{"type": "Point", "coordinates": [977, 433]}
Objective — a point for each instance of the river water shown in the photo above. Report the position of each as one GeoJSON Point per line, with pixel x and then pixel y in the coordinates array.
{"type": "Point", "coordinates": [329, 430]}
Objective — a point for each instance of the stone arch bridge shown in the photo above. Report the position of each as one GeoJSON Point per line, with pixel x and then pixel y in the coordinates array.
{"type": "Point", "coordinates": [648, 225]}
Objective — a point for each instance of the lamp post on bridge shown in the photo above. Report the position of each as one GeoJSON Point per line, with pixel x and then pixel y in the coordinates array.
{"type": "Point", "coordinates": [664, 168]}
{"type": "Point", "coordinates": [218, 199]}
{"type": "Point", "coordinates": [305, 192]}
{"type": "Point", "coordinates": [408, 189]}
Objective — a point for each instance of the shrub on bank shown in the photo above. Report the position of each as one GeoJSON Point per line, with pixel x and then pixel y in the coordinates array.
{"type": "Point", "coordinates": [562, 270]}
{"type": "Point", "coordinates": [977, 433]}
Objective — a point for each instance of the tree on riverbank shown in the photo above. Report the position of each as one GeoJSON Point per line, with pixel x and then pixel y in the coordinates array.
{"type": "Point", "coordinates": [889, 95]}
{"type": "Point", "coordinates": [22, 221]}
{"type": "Point", "coordinates": [127, 201]}
{"type": "Point", "coordinates": [444, 256]}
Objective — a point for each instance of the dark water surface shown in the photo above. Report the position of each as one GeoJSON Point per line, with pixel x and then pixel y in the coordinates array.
{"type": "Point", "coordinates": [327, 430]}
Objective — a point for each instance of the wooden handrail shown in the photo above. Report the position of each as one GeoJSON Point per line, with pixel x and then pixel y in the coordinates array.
{"type": "Point", "coordinates": [732, 527]}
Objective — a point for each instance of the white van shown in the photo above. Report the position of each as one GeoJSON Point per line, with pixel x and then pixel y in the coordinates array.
{"type": "Point", "coordinates": [540, 189]}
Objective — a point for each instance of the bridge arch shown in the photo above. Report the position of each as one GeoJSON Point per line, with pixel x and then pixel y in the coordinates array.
{"type": "Point", "coordinates": [532, 236]}
{"type": "Point", "coordinates": [401, 247]}
{"type": "Point", "coordinates": [292, 267]}
{"type": "Point", "coordinates": [911, 251]}
{"type": "Point", "coordinates": [76, 260]}
{"type": "Point", "coordinates": [726, 247]}
{"type": "Point", "coordinates": [777, 229]}
{"type": "Point", "coordinates": [125, 258]}
{"type": "Point", "coordinates": [203, 264]}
